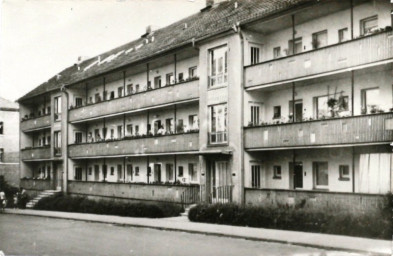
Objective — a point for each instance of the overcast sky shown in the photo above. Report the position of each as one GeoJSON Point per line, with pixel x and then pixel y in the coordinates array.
{"type": "Point", "coordinates": [39, 38]}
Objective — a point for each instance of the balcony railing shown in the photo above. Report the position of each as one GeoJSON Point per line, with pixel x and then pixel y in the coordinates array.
{"type": "Point", "coordinates": [143, 145]}
{"type": "Point", "coordinates": [164, 193]}
{"type": "Point", "coordinates": [347, 130]}
{"type": "Point", "coordinates": [35, 153]}
{"type": "Point", "coordinates": [35, 123]}
{"type": "Point", "coordinates": [348, 54]}
{"type": "Point", "coordinates": [165, 95]}
{"type": "Point", "coordinates": [36, 184]}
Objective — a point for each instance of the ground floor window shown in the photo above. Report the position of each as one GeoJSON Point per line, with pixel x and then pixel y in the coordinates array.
{"type": "Point", "coordinates": [321, 175]}
{"type": "Point", "coordinates": [256, 176]}
{"type": "Point", "coordinates": [78, 173]}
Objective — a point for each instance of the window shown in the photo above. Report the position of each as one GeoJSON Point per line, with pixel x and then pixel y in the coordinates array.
{"type": "Point", "coordinates": [169, 172]}
{"type": "Point", "coordinates": [104, 171]}
{"type": "Point", "coordinates": [343, 103]}
{"type": "Point", "coordinates": [193, 172]}
{"type": "Point", "coordinates": [192, 72]}
{"type": "Point", "coordinates": [90, 170]}
{"type": "Point", "coordinates": [78, 173]}
{"type": "Point", "coordinates": [129, 172]}
{"type": "Point", "coordinates": [169, 125]}
{"type": "Point", "coordinates": [180, 126]}
{"type": "Point", "coordinates": [130, 89]}
{"type": "Point", "coordinates": [57, 146]}
{"type": "Point", "coordinates": [255, 115]}
{"type": "Point", "coordinates": [343, 172]}
{"type": "Point", "coordinates": [276, 112]}
{"type": "Point", "coordinates": [136, 170]}
{"type": "Point", "coordinates": [218, 66]}
{"type": "Point", "coordinates": [112, 95]}
{"type": "Point", "coordinates": [295, 47]}
{"type": "Point", "coordinates": [343, 35]}
{"type": "Point", "coordinates": [276, 52]}
{"type": "Point", "coordinates": [112, 134]}
{"type": "Point", "coordinates": [78, 137]}
{"type": "Point", "coordinates": [169, 79]}
{"type": "Point", "coordinates": [370, 100]}
{"type": "Point", "coordinates": [181, 77]}
{"type": "Point", "coordinates": [319, 39]}
{"type": "Point", "coordinates": [193, 122]}
{"type": "Point", "coordinates": [57, 108]}
{"type": "Point", "coordinates": [277, 172]}
{"type": "Point", "coordinates": [48, 140]}
{"type": "Point", "coordinates": [1, 128]}
{"type": "Point", "coordinates": [97, 98]}
{"type": "Point", "coordinates": [119, 131]}
{"type": "Point", "coordinates": [322, 108]}
{"type": "Point", "coordinates": [368, 25]}
{"type": "Point", "coordinates": [120, 92]}
{"type": "Point", "coordinates": [136, 88]}
{"type": "Point", "coordinates": [119, 172]}
{"type": "Point", "coordinates": [255, 176]}
{"type": "Point", "coordinates": [112, 170]}
{"type": "Point", "coordinates": [104, 132]}
{"type": "Point", "coordinates": [129, 129]}
{"type": "Point", "coordinates": [254, 54]}
{"type": "Point", "coordinates": [157, 82]}
{"type": "Point", "coordinates": [180, 173]}
{"type": "Point", "coordinates": [321, 175]}
{"type": "Point", "coordinates": [1, 154]}
{"type": "Point", "coordinates": [218, 124]}
{"type": "Point", "coordinates": [78, 102]}
{"type": "Point", "coordinates": [136, 129]}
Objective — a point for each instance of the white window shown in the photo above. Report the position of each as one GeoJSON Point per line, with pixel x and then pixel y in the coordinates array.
{"type": "Point", "coordinates": [157, 82]}
{"type": "Point", "coordinates": [193, 122]}
{"type": "Point", "coordinates": [255, 115]}
{"type": "Point", "coordinates": [218, 66]}
{"type": "Point", "coordinates": [218, 123]}
{"type": "Point", "coordinates": [120, 92]}
{"type": "Point", "coordinates": [319, 39]}
{"type": "Point", "coordinates": [322, 108]}
{"type": "Point", "coordinates": [343, 172]}
{"type": "Point", "coordinates": [368, 25]}
{"type": "Point", "coordinates": [343, 35]}
{"type": "Point", "coordinates": [255, 53]}
{"type": "Point", "coordinates": [192, 72]}
{"type": "Point", "coordinates": [169, 79]}
{"type": "Point", "coordinates": [370, 100]}
{"type": "Point", "coordinates": [321, 174]}
{"type": "Point", "coordinates": [255, 176]}
{"type": "Point", "coordinates": [129, 129]}
{"type": "Point", "coordinates": [295, 47]}
{"type": "Point", "coordinates": [276, 52]}
{"type": "Point", "coordinates": [1, 154]}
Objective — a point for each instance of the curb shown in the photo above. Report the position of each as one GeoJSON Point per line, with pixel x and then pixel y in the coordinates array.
{"type": "Point", "coordinates": [209, 233]}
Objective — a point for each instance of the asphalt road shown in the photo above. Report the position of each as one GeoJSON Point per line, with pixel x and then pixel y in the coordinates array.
{"type": "Point", "coordinates": [27, 235]}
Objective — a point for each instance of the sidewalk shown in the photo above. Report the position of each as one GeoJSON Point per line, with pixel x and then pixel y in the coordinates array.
{"type": "Point", "coordinates": [336, 242]}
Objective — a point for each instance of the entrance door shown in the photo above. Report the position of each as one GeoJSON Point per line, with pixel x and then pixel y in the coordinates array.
{"type": "Point", "coordinates": [157, 172]}
{"type": "Point", "coordinates": [96, 173]}
{"type": "Point", "coordinates": [221, 189]}
{"type": "Point", "coordinates": [297, 175]}
{"type": "Point", "coordinates": [299, 111]}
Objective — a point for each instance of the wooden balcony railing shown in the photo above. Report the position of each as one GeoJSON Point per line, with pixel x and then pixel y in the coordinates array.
{"type": "Point", "coordinates": [169, 94]}
{"type": "Point", "coordinates": [157, 144]}
{"type": "Point", "coordinates": [353, 53]}
{"type": "Point", "coordinates": [35, 153]}
{"type": "Point", "coordinates": [35, 123]}
{"type": "Point", "coordinates": [348, 130]}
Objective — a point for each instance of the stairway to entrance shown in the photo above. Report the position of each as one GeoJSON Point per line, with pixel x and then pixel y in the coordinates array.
{"type": "Point", "coordinates": [43, 194]}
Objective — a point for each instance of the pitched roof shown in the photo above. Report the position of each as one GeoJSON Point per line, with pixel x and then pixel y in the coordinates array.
{"type": "Point", "coordinates": [212, 21]}
{"type": "Point", "coordinates": [8, 105]}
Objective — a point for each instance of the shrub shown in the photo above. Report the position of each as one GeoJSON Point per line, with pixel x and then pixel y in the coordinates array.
{"type": "Point", "coordinates": [377, 223]}
{"type": "Point", "coordinates": [84, 205]}
{"type": "Point", "coordinates": [9, 191]}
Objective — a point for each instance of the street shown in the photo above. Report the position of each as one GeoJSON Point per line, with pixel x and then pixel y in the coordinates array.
{"type": "Point", "coordinates": [27, 235]}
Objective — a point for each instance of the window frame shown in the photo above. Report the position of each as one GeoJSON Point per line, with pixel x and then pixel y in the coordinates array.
{"type": "Point", "coordinates": [255, 175]}
{"type": "Point", "coordinates": [362, 23]}
{"type": "Point", "coordinates": [342, 175]}
{"type": "Point", "coordinates": [224, 134]}
{"type": "Point", "coordinates": [341, 33]}
{"type": "Point", "coordinates": [75, 137]}
{"type": "Point", "coordinates": [315, 169]}
{"type": "Point", "coordinates": [277, 172]}
{"type": "Point", "coordinates": [214, 68]}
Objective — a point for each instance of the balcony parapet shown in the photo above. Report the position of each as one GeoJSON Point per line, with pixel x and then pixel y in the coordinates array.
{"type": "Point", "coordinates": [187, 90]}
{"type": "Point", "coordinates": [31, 124]}
{"type": "Point", "coordinates": [31, 154]}
{"type": "Point", "coordinates": [332, 58]}
{"type": "Point", "coordinates": [335, 131]}
{"type": "Point", "coordinates": [36, 184]}
{"type": "Point", "coordinates": [185, 142]}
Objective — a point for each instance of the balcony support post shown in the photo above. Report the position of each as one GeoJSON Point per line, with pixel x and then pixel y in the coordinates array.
{"type": "Point", "coordinates": [147, 170]}
{"type": "Point", "coordinates": [175, 167]}
{"type": "Point", "coordinates": [353, 169]}
{"type": "Point", "coordinates": [175, 118]}
{"type": "Point", "coordinates": [352, 93]}
{"type": "Point", "coordinates": [175, 72]}
{"type": "Point", "coordinates": [293, 33]}
{"type": "Point", "coordinates": [293, 102]}
{"type": "Point", "coordinates": [351, 3]}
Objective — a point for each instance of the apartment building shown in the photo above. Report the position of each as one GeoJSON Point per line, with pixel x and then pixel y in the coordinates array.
{"type": "Point", "coordinates": [9, 141]}
{"type": "Point", "coordinates": [271, 102]}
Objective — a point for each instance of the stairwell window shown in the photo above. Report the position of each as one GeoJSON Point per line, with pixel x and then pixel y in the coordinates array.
{"type": "Point", "coordinates": [218, 66]}
{"type": "Point", "coordinates": [255, 176]}
{"type": "Point", "coordinates": [255, 53]}
{"type": "Point", "coordinates": [218, 124]}
{"type": "Point", "coordinates": [57, 108]}
{"type": "Point", "coordinates": [57, 142]}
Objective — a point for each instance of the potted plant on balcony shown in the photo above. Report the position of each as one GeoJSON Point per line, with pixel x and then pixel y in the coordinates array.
{"type": "Point", "coordinates": [332, 103]}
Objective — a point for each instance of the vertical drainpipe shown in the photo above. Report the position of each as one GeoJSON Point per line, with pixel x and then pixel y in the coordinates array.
{"type": "Point", "coordinates": [175, 119]}
{"type": "Point", "coordinates": [353, 169]}
{"type": "Point", "coordinates": [242, 170]}
{"type": "Point", "coordinates": [352, 92]}
{"type": "Point", "coordinates": [351, 3]}
{"type": "Point", "coordinates": [64, 123]}
{"type": "Point", "coordinates": [293, 102]}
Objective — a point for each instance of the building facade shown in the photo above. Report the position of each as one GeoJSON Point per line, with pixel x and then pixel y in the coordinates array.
{"type": "Point", "coordinates": [9, 141]}
{"type": "Point", "coordinates": [246, 101]}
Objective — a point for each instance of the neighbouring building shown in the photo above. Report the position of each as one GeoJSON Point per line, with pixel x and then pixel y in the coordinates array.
{"type": "Point", "coordinates": [255, 102]}
{"type": "Point", "coordinates": [9, 141]}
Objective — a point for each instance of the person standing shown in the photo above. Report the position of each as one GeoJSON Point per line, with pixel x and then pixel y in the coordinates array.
{"type": "Point", "coordinates": [2, 200]}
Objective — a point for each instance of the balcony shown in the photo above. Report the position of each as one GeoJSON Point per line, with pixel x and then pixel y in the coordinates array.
{"type": "Point", "coordinates": [31, 154]}
{"type": "Point", "coordinates": [145, 145]}
{"type": "Point", "coordinates": [348, 130]}
{"type": "Point", "coordinates": [32, 124]}
{"type": "Point", "coordinates": [166, 95]}
{"type": "Point", "coordinates": [36, 184]}
{"type": "Point", "coordinates": [350, 54]}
